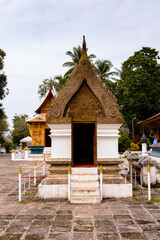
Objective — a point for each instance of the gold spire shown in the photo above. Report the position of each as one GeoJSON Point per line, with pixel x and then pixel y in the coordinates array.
{"type": "Point", "coordinates": [84, 43]}
{"type": "Point", "coordinates": [84, 56]}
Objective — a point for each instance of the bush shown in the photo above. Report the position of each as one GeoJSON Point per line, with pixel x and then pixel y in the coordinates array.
{"type": "Point", "coordinates": [7, 146]}
{"type": "Point", "coordinates": [124, 141]}
{"type": "Point", "coordinates": [134, 147]}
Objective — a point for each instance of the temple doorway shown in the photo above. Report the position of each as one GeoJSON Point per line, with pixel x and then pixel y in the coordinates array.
{"type": "Point", "coordinates": [83, 144]}
{"type": "Point", "coordinates": [47, 138]}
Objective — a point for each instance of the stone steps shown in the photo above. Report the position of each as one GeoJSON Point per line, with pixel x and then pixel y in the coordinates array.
{"type": "Point", "coordinates": [109, 161]}
{"type": "Point", "coordinates": [86, 199]}
{"type": "Point", "coordinates": [85, 185]}
{"type": "Point", "coordinates": [85, 191]}
{"type": "Point", "coordinates": [79, 177]}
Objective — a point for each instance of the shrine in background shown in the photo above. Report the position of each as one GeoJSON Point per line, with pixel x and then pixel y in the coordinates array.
{"type": "Point", "coordinates": [38, 128]}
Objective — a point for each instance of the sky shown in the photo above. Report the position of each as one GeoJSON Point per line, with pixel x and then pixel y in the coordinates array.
{"type": "Point", "coordinates": [35, 34]}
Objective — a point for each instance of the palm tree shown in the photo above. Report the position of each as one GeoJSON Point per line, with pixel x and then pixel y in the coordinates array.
{"type": "Point", "coordinates": [57, 82]}
{"type": "Point", "coordinates": [75, 55]}
{"type": "Point", "coordinates": [103, 68]}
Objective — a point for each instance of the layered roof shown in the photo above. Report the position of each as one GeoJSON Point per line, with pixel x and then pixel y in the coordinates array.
{"type": "Point", "coordinates": [150, 120]}
{"type": "Point", "coordinates": [44, 107]}
{"type": "Point", "coordinates": [84, 98]}
{"type": "Point", "coordinates": [41, 118]}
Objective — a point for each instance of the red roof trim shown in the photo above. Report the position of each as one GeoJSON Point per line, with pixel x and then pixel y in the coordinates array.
{"type": "Point", "coordinates": [49, 94]}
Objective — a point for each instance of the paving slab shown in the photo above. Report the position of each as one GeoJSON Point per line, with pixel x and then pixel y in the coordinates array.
{"type": "Point", "coordinates": [36, 219]}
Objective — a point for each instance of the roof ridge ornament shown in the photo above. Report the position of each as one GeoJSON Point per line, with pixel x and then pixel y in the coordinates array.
{"type": "Point", "coordinates": [84, 43]}
{"type": "Point", "coordinates": [84, 56]}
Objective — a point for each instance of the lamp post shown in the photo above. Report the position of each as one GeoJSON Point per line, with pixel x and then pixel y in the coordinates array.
{"type": "Point", "coordinates": [133, 127]}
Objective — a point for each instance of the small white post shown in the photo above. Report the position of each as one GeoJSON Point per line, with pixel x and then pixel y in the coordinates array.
{"type": "Point", "coordinates": [20, 180]}
{"type": "Point", "coordinates": [26, 153]}
{"type": "Point", "coordinates": [125, 183]}
{"type": "Point", "coordinates": [44, 163]}
{"type": "Point", "coordinates": [24, 187]}
{"type": "Point", "coordinates": [35, 173]}
{"type": "Point", "coordinates": [29, 182]}
{"type": "Point", "coordinates": [13, 155]}
{"type": "Point", "coordinates": [135, 178]}
{"type": "Point", "coordinates": [144, 148]}
{"type": "Point", "coordinates": [69, 183]}
{"type": "Point", "coordinates": [131, 171]}
{"type": "Point", "coordinates": [149, 183]}
{"type": "Point", "coordinates": [101, 182]}
{"type": "Point", "coordinates": [19, 154]}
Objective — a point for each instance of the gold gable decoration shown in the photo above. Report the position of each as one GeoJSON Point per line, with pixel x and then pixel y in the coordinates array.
{"type": "Point", "coordinates": [84, 98]}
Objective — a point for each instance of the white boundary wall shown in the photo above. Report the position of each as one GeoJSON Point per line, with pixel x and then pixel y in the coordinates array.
{"type": "Point", "coordinates": [53, 191]}
{"type": "Point", "coordinates": [61, 191]}
{"type": "Point", "coordinates": [117, 190]}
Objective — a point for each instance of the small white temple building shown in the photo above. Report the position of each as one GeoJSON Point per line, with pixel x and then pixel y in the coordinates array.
{"type": "Point", "coordinates": [84, 120]}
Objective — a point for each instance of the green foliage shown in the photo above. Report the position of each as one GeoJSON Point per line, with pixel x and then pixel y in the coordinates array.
{"type": "Point", "coordinates": [57, 82]}
{"type": "Point", "coordinates": [3, 82]}
{"type": "Point", "coordinates": [154, 199]}
{"type": "Point", "coordinates": [3, 78]}
{"type": "Point", "coordinates": [2, 140]}
{"type": "Point", "coordinates": [138, 90]}
{"type": "Point", "coordinates": [20, 129]}
{"type": "Point", "coordinates": [8, 146]}
{"type": "Point", "coordinates": [76, 55]}
{"type": "Point", "coordinates": [3, 123]}
{"type": "Point", "coordinates": [124, 141]}
{"type": "Point", "coordinates": [134, 147]}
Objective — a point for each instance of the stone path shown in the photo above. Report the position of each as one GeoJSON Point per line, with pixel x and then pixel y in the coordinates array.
{"type": "Point", "coordinates": [36, 219]}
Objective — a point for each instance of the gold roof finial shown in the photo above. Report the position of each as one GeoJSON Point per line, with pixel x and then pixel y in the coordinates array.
{"type": "Point", "coordinates": [84, 56]}
{"type": "Point", "coordinates": [84, 43]}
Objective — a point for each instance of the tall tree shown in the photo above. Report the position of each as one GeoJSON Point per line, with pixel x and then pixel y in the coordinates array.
{"type": "Point", "coordinates": [103, 68]}
{"type": "Point", "coordinates": [57, 82]}
{"type": "Point", "coordinates": [3, 82]}
{"type": "Point", "coordinates": [138, 90]}
{"type": "Point", "coordinates": [20, 128]}
{"type": "Point", "coordinates": [75, 55]}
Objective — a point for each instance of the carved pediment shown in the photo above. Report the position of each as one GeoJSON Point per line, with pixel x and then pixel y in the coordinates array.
{"type": "Point", "coordinates": [84, 98]}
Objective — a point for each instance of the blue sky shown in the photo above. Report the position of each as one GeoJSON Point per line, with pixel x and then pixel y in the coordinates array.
{"type": "Point", "coordinates": [35, 34]}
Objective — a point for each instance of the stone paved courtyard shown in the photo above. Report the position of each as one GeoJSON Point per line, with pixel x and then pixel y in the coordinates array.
{"type": "Point", "coordinates": [114, 219]}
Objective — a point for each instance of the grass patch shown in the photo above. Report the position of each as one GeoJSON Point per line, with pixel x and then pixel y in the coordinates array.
{"type": "Point", "coordinates": [135, 197]}
{"type": "Point", "coordinates": [27, 193]}
{"type": "Point", "coordinates": [24, 201]}
{"type": "Point", "coordinates": [136, 188]}
{"type": "Point", "coordinates": [154, 199]}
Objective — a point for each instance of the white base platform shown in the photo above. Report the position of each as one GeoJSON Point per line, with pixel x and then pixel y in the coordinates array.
{"type": "Point", "coordinates": [53, 191]}
{"type": "Point", "coordinates": [61, 191]}
{"type": "Point", "coordinates": [117, 190]}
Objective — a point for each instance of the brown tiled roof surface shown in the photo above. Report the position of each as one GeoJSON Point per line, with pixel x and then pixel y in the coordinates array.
{"type": "Point", "coordinates": [39, 118]}
{"type": "Point", "coordinates": [149, 120]}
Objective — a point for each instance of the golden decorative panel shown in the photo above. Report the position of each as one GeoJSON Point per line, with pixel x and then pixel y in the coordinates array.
{"type": "Point", "coordinates": [84, 106]}
{"type": "Point", "coordinates": [84, 98]}
{"type": "Point", "coordinates": [37, 132]}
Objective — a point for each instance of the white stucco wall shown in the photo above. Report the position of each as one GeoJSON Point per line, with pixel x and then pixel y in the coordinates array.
{"type": "Point", "coordinates": [60, 140]}
{"type": "Point", "coordinates": [107, 140]}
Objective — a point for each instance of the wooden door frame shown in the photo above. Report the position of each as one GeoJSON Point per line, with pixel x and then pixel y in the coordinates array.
{"type": "Point", "coordinates": [94, 141]}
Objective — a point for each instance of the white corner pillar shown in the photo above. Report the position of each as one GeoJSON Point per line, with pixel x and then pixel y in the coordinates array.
{"type": "Point", "coordinates": [60, 140]}
{"type": "Point", "coordinates": [107, 140]}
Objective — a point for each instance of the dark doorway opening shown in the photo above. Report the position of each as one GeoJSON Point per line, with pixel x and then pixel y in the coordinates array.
{"type": "Point", "coordinates": [48, 139]}
{"type": "Point", "coordinates": [83, 143]}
